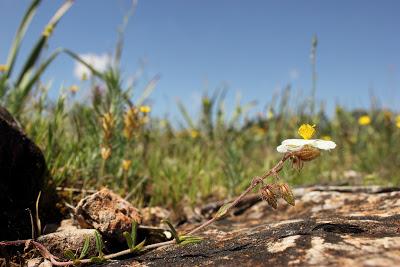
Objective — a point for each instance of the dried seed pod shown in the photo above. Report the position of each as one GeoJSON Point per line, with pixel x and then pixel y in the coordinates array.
{"type": "Point", "coordinates": [287, 193]}
{"type": "Point", "coordinates": [307, 153]}
{"type": "Point", "coordinates": [268, 195]}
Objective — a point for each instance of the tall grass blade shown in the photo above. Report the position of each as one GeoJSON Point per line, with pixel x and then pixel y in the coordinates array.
{"type": "Point", "coordinates": [36, 51]}
{"type": "Point", "coordinates": [26, 21]}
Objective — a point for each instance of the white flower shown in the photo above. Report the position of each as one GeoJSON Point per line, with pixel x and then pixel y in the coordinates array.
{"type": "Point", "coordinates": [291, 145]}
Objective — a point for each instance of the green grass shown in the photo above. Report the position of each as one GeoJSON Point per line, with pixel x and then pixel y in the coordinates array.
{"type": "Point", "coordinates": [214, 156]}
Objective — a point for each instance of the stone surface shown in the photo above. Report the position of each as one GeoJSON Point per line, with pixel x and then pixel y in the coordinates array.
{"type": "Point", "coordinates": [23, 173]}
{"type": "Point", "coordinates": [107, 212]}
{"type": "Point", "coordinates": [154, 215]}
{"type": "Point", "coordinates": [57, 243]}
{"type": "Point", "coordinates": [329, 226]}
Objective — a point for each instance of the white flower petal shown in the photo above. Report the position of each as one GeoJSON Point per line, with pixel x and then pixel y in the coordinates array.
{"type": "Point", "coordinates": [298, 142]}
{"type": "Point", "coordinates": [325, 145]}
{"type": "Point", "coordinates": [282, 149]}
{"type": "Point", "coordinates": [290, 145]}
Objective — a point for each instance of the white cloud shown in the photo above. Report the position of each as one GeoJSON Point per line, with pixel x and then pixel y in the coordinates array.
{"type": "Point", "coordinates": [99, 62]}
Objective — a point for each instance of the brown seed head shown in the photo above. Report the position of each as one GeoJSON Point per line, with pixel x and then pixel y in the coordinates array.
{"type": "Point", "coordinates": [286, 193]}
{"type": "Point", "coordinates": [131, 122]}
{"type": "Point", "coordinates": [268, 195]}
{"type": "Point", "coordinates": [307, 153]}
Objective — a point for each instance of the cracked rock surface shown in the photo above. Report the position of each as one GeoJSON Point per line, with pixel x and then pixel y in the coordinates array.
{"type": "Point", "coordinates": [329, 226]}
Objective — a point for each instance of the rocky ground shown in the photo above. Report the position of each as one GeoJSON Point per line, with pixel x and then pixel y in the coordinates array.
{"type": "Point", "coordinates": [329, 226]}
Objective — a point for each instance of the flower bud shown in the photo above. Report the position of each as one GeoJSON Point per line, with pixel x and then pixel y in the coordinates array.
{"type": "Point", "coordinates": [105, 152]}
{"type": "Point", "coordinates": [286, 193]}
{"type": "Point", "coordinates": [268, 195]}
{"type": "Point", "coordinates": [307, 153]}
{"type": "Point", "coordinates": [126, 164]}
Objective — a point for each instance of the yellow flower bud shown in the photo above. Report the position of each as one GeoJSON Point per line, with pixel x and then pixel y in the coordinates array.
{"type": "Point", "coordinates": [84, 76]}
{"type": "Point", "coordinates": [73, 89]}
{"type": "Point", "coordinates": [126, 164]}
{"type": "Point", "coordinates": [3, 68]}
{"type": "Point", "coordinates": [48, 30]}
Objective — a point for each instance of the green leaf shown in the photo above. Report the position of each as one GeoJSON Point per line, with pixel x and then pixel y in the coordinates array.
{"type": "Point", "coordinates": [139, 246]}
{"type": "Point", "coordinates": [190, 239]}
{"type": "Point", "coordinates": [134, 232]}
{"type": "Point", "coordinates": [85, 248]}
{"type": "Point", "coordinates": [223, 210]}
{"type": "Point", "coordinates": [173, 231]}
{"type": "Point", "coordinates": [36, 51]}
{"type": "Point", "coordinates": [99, 243]}
{"type": "Point", "coordinates": [90, 67]}
{"type": "Point", "coordinates": [26, 21]}
{"type": "Point", "coordinates": [129, 240]}
{"type": "Point", "coordinates": [69, 254]}
{"type": "Point", "coordinates": [185, 115]}
{"type": "Point", "coordinates": [26, 87]}
{"type": "Point", "coordinates": [148, 90]}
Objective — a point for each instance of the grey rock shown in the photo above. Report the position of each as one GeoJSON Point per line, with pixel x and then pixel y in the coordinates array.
{"type": "Point", "coordinates": [329, 226]}
{"type": "Point", "coordinates": [57, 243]}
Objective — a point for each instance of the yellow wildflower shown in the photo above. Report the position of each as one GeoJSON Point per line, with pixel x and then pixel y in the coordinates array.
{"type": "Point", "coordinates": [326, 138]}
{"type": "Point", "coordinates": [84, 76]}
{"type": "Point", "coordinates": [364, 120]}
{"type": "Point", "coordinates": [306, 131]}
{"type": "Point", "coordinates": [48, 30]}
{"type": "Point", "coordinates": [105, 152]}
{"type": "Point", "coordinates": [194, 134]}
{"type": "Point", "coordinates": [398, 121]}
{"type": "Point", "coordinates": [126, 164]}
{"type": "Point", "coordinates": [73, 89]}
{"type": "Point", "coordinates": [145, 109]}
{"type": "Point", "coordinates": [3, 68]}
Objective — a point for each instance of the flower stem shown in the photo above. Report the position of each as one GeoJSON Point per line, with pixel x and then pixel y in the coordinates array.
{"type": "Point", "coordinates": [53, 259]}
{"type": "Point", "coordinates": [255, 182]}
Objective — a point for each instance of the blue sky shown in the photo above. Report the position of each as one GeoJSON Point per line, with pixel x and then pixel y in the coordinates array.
{"type": "Point", "coordinates": [255, 47]}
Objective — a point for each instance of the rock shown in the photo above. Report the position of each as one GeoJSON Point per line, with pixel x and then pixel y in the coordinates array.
{"type": "Point", "coordinates": [154, 215]}
{"type": "Point", "coordinates": [67, 225]}
{"type": "Point", "coordinates": [23, 173]}
{"type": "Point", "coordinates": [33, 262]}
{"type": "Point", "coordinates": [331, 226]}
{"type": "Point", "coordinates": [46, 263]}
{"type": "Point", "coordinates": [107, 212]}
{"type": "Point", "coordinates": [57, 243]}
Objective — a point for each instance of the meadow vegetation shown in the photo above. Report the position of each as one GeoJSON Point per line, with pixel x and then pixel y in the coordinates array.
{"type": "Point", "coordinates": [113, 140]}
